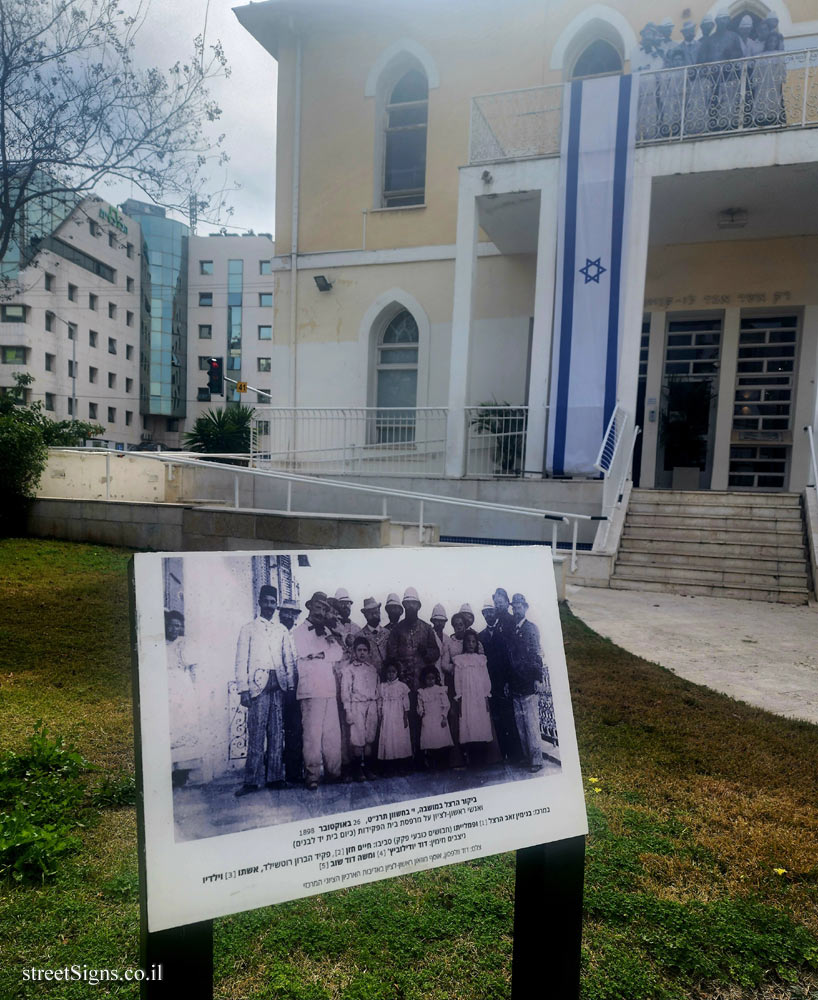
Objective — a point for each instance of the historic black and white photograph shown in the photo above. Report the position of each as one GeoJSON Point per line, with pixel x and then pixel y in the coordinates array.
{"type": "Point", "coordinates": [320, 718]}
{"type": "Point", "coordinates": [302, 685]}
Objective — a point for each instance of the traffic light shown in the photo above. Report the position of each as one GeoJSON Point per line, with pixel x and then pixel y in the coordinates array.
{"type": "Point", "coordinates": [215, 376]}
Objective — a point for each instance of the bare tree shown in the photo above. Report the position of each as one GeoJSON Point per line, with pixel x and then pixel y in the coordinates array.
{"type": "Point", "coordinates": [75, 109]}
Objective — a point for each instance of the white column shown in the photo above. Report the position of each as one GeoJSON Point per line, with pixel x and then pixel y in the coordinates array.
{"type": "Point", "coordinates": [465, 270]}
{"type": "Point", "coordinates": [727, 393]}
{"type": "Point", "coordinates": [805, 410]}
{"type": "Point", "coordinates": [635, 265]}
{"type": "Point", "coordinates": [653, 398]}
{"type": "Point", "coordinates": [539, 376]}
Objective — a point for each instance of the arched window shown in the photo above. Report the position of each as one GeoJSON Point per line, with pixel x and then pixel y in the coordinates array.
{"type": "Point", "coordinates": [396, 372]}
{"type": "Point", "coordinates": [404, 162]}
{"type": "Point", "coordinates": [598, 57]}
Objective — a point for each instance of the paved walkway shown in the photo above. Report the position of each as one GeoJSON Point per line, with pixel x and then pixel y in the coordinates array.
{"type": "Point", "coordinates": [764, 654]}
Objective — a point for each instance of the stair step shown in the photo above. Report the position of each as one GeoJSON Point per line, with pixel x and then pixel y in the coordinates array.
{"type": "Point", "coordinates": [747, 564]}
{"type": "Point", "coordinates": [776, 596]}
{"type": "Point", "coordinates": [744, 522]}
{"type": "Point", "coordinates": [714, 549]}
{"type": "Point", "coordinates": [731, 535]}
{"type": "Point", "coordinates": [717, 497]}
{"type": "Point", "coordinates": [707, 510]}
{"type": "Point", "coordinates": [759, 580]}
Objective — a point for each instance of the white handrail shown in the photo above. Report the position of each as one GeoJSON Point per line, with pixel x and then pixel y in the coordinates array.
{"type": "Point", "coordinates": [813, 460]}
{"type": "Point", "coordinates": [610, 440]}
{"type": "Point", "coordinates": [180, 458]}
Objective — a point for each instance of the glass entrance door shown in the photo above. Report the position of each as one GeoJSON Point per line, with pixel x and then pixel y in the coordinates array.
{"type": "Point", "coordinates": [688, 413]}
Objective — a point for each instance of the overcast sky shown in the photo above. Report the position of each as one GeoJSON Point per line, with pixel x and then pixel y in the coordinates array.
{"type": "Point", "coordinates": [247, 99]}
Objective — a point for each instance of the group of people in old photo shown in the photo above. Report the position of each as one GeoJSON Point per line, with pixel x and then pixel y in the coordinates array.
{"type": "Point", "coordinates": [329, 699]}
{"type": "Point", "coordinates": [722, 75]}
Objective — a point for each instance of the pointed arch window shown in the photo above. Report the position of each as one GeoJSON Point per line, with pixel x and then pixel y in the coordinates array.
{"type": "Point", "coordinates": [404, 167]}
{"type": "Point", "coordinates": [596, 59]}
{"type": "Point", "coordinates": [397, 379]}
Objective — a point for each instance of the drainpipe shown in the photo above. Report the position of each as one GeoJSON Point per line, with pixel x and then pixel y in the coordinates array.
{"type": "Point", "coordinates": [294, 238]}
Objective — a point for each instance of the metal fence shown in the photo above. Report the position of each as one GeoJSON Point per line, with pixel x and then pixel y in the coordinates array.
{"type": "Point", "coordinates": [495, 440]}
{"type": "Point", "coordinates": [773, 90]}
{"type": "Point", "coordinates": [362, 440]}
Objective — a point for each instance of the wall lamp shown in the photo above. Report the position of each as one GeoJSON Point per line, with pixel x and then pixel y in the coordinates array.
{"type": "Point", "coordinates": [324, 285]}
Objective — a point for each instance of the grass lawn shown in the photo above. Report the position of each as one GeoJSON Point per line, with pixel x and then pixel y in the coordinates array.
{"type": "Point", "coordinates": [702, 867]}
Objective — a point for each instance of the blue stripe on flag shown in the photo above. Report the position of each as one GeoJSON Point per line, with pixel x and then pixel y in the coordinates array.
{"type": "Point", "coordinates": [620, 175]}
{"type": "Point", "coordinates": [568, 278]}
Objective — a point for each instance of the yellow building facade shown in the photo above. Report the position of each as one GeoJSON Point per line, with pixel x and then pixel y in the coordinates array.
{"type": "Point", "coordinates": [438, 270]}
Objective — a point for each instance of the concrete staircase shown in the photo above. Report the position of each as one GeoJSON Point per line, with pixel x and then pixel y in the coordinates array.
{"type": "Point", "coordinates": [746, 545]}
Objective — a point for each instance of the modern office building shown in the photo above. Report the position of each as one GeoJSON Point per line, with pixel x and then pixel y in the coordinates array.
{"type": "Point", "coordinates": [163, 348]}
{"type": "Point", "coordinates": [230, 316]}
{"type": "Point", "coordinates": [70, 315]}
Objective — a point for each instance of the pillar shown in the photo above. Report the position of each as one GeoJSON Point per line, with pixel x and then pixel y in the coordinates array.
{"type": "Point", "coordinates": [728, 360]}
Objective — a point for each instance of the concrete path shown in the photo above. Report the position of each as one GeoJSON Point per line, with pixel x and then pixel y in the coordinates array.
{"type": "Point", "coordinates": [764, 654]}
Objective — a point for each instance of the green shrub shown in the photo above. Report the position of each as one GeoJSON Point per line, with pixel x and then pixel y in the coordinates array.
{"type": "Point", "coordinates": [115, 792]}
{"type": "Point", "coordinates": [41, 793]}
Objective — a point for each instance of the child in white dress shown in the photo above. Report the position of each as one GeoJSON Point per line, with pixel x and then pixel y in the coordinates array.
{"type": "Point", "coordinates": [472, 686]}
{"type": "Point", "coordinates": [395, 742]}
{"type": "Point", "coordinates": [433, 709]}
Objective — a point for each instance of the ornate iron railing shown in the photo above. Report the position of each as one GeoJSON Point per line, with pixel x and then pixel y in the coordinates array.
{"type": "Point", "coordinates": [773, 90]}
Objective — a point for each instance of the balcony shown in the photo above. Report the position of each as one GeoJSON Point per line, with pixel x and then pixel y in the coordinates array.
{"type": "Point", "coordinates": [774, 91]}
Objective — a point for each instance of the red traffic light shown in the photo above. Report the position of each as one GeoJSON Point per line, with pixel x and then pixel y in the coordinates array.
{"type": "Point", "coordinates": [215, 376]}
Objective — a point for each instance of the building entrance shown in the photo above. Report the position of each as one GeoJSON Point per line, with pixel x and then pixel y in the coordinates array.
{"type": "Point", "coordinates": [687, 417]}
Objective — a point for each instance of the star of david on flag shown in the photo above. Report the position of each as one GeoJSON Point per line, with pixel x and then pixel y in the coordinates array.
{"type": "Point", "coordinates": [593, 270]}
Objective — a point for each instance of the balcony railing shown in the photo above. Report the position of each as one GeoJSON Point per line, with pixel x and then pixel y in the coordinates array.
{"type": "Point", "coordinates": [495, 440]}
{"type": "Point", "coordinates": [364, 440]}
{"type": "Point", "coordinates": [770, 91]}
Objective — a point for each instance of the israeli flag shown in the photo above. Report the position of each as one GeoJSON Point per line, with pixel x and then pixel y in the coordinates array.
{"type": "Point", "coordinates": [597, 152]}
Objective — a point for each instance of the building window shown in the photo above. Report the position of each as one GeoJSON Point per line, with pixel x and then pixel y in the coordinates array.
{"type": "Point", "coordinates": [128, 352]}
{"type": "Point", "coordinates": [92, 411]}
{"type": "Point", "coordinates": [129, 284]}
{"type": "Point", "coordinates": [205, 267]}
{"type": "Point", "coordinates": [72, 293]}
{"type": "Point", "coordinates": [265, 267]}
{"type": "Point", "coordinates": [49, 322]}
{"type": "Point", "coordinates": [49, 362]}
{"type": "Point", "coordinates": [205, 298]}
{"type": "Point", "coordinates": [404, 164]}
{"type": "Point", "coordinates": [111, 345]}
{"type": "Point", "coordinates": [172, 424]}
{"type": "Point", "coordinates": [128, 318]}
{"type": "Point", "coordinates": [597, 58]}
{"type": "Point", "coordinates": [263, 428]}
{"type": "Point", "coordinates": [234, 363]}
{"type": "Point", "coordinates": [111, 414]}
{"type": "Point", "coordinates": [205, 331]}
{"type": "Point", "coordinates": [111, 240]}
{"type": "Point", "coordinates": [13, 314]}
{"type": "Point", "coordinates": [92, 375]}
{"type": "Point", "coordinates": [93, 228]}
{"type": "Point", "coordinates": [49, 401]}
{"type": "Point", "coordinates": [204, 362]}
{"type": "Point", "coordinates": [111, 380]}
{"type": "Point", "coordinates": [265, 298]}
{"type": "Point", "coordinates": [397, 378]}
{"type": "Point", "coordinates": [264, 364]}
{"type": "Point", "coordinates": [13, 355]}
{"type": "Point", "coordinates": [49, 282]}
{"type": "Point", "coordinates": [128, 385]}
{"type": "Point", "coordinates": [70, 407]}
{"type": "Point", "coordinates": [70, 368]}
{"type": "Point", "coordinates": [92, 300]}
{"type": "Point", "coordinates": [128, 418]}
{"type": "Point", "coordinates": [265, 333]}
{"type": "Point", "coordinates": [72, 331]}
{"type": "Point", "coordinates": [111, 310]}
{"type": "Point", "coordinates": [92, 338]}
{"type": "Point", "coordinates": [264, 397]}
{"type": "Point", "coordinates": [129, 249]}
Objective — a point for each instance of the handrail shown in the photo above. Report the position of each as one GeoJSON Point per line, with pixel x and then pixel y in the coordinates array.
{"type": "Point", "coordinates": [813, 460]}
{"type": "Point", "coordinates": [173, 458]}
{"type": "Point", "coordinates": [610, 440]}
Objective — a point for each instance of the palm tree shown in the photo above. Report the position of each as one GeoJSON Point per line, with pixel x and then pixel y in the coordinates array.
{"type": "Point", "coordinates": [222, 430]}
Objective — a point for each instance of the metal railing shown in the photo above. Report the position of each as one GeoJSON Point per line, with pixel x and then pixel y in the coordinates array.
{"type": "Point", "coordinates": [813, 460]}
{"type": "Point", "coordinates": [292, 479]}
{"type": "Point", "coordinates": [495, 440]}
{"type": "Point", "coordinates": [773, 90]}
{"type": "Point", "coordinates": [363, 440]}
{"type": "Point", "coordinates": [614, 462]}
